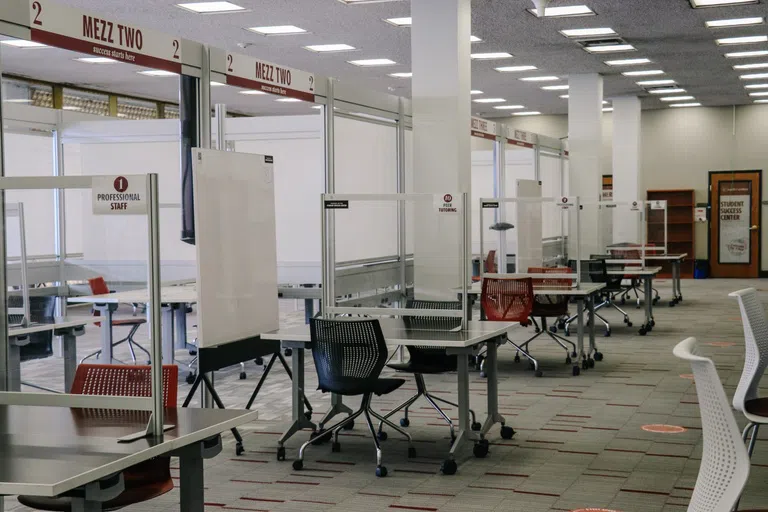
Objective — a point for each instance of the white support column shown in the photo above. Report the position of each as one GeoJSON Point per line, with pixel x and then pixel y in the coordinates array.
{"type": "Point", "coordinates": [440, 50]}
{"type": "Point", "coordinates": [585, 142]}
{"type": "Point", "coordinates": [626, 162]}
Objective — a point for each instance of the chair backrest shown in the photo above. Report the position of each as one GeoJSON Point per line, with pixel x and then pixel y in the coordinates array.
{"type": "Point", "coordinates": [550, 282]}
{"type": "Point", "coordinates": [724, 465]}
{"type": "Point", "coordinates": [124, 380]}
{"type": "Point", "coordinates": [98, 286]}
{"type": "Point", "coordinates": [598, 271]}
{"type": "Point", "coordinates": [490, 262]}
{"type": "Point", "coordinates": [507, 300]}
{"type": "Point", "coordinates": [755, 346]}
{"type": "Point", "coordinates": [432, 356]}
{"type": "Point", "coordinates": [347, 352]}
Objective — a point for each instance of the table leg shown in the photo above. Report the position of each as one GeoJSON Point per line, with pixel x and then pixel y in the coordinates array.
{"type": "Point", "coordinates": [167, 330]}
{"type": "Point", "coordinates": [180, 314]}
{"type": "Point", "coordinates": [106, 356]}
{"type": "Point", "coordinates": [14, 365]}
{"type": "Point", "coordinates": [69, 354]}
{"type": "Point", "coordinates": [192, 481]}
{"type": "Point", "coordinates": [580, 359]}
{"type": "Point", "coordinates": [491, 368]}
{"type": "Point", "coordinates": [300, 421]}
{"type": "Point", "coordinates": [463, 392]}
{"type": "Point", "coordinates": [649, 322]}
{"type": "Point", "coordinates": [309, 309]}
{"type": "Point", "coordinates": [679, 297]}
{"type": "Point", "coordinates": [592, 344]}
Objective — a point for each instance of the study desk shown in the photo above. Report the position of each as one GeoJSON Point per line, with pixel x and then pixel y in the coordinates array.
{"type": "Point", "coordinates": [397, 333]}
{"type": "Point", "coordinates": [584, 295]}
{"type": "Point", "coordinates": [68, 328]}
{"type": "Point", "coordinates": [676, 261]}
{"type": "Point", "coordinates": [646, 275]}
{"type": "Point", "coordinates": [48, 451]}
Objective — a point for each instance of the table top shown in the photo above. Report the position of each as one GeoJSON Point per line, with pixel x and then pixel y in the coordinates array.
{"type": "Point", "coordinates": [58, 323]}
{"type": "Point", "coordinates": [584, 290]}
{"type": "Point", "coordinates": [170, 295]}
{"type": "Point", "coordinates": [398, 331]}
{"type": "Point", "coordinates": [45, 451]}
{"type": "Point", "coordinates": [666, 257]}
{"type": "Point", "coordinates": [636, 271]}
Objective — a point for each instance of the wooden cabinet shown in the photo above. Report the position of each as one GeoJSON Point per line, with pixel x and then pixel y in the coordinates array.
{"type": "Point", "coordinates": [680, 227]}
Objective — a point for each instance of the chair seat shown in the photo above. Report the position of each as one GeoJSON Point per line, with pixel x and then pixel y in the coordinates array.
{"type": "Point", "coordinates": [130, 496]}
{"type": "Point", "coordinates": [125, 321]}
{"type": "Point", "coordinates": [757, 407]}
{"type": "Point", "coordinates": [421, 367]}
{"type": "Point", "coordinates": [358, 387]}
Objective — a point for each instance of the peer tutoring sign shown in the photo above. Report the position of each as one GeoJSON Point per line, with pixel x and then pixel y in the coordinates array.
{"type": "Point", "coordinates": [120, 195]}
{"type": "Point", "coordinates": [734, 221]}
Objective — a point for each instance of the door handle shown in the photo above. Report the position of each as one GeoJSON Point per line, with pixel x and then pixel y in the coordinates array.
{"type": "Point", "coordinates": [754, 228]}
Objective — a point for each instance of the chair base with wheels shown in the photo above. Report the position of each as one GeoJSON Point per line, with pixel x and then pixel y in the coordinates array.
{"type": "Point", "coordinates": [135, 323]}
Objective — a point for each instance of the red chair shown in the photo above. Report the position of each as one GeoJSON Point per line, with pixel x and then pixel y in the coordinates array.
{"type": "Point", "coordinates": [510, 300]}
{"type": "Point", "coordinates": [146, 480]}
{"type": "Point", "coordinates": [551, 306]}
{"type": "Point", "coordinates": [489, 267]}
{"type": "Point", "coordinates": [99, 287]}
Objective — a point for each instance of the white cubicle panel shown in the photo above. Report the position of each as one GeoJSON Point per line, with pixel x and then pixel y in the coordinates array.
{"type": "Point", "coordinates": [520, 165]}
{"type": "Point", "coordinates": [234, 211]}
{"type": "Point", "coordinates": [483, 181]}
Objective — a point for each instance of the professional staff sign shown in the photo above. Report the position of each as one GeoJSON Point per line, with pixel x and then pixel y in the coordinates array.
{"type": "Point", "coordinates": [734, 221]}
{"type": "Point", "coordinates": [264, 76]}
{"type": "Point", "coordinates": [63, 27]}
{"type": "Point", "coordinates": [120, 195]}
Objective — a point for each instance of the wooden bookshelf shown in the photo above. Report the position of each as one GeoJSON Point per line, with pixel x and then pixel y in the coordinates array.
{"type": "Point", "coordinates": [680, 228]}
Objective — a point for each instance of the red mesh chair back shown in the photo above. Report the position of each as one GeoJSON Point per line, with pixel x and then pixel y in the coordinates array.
{"type": "Point", "coordinates": [98, 286]}
{"type": "Point", "coordinates": [551, 305]}
{"type": "Point", "coordinates": [489, 266]}
{"type": "Point", "coordinates": [123, 380]}
{"type": "Point", "coordinates": [507, 300]}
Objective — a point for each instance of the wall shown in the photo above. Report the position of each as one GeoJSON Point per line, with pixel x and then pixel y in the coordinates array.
{"type": "Point", "coordinates": [681, 146]}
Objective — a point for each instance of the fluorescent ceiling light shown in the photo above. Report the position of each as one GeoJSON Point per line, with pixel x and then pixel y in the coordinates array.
{"type": "Point", "coordinates": [278, 30]}
{"type": "Point", "coordinates": [605, 102]}
{"type": "Point", "coordinates": [656, 82]}
{"type": "Point", "coordinates": [565, 96]}
{"type": "Point", "coordinates": [531, 113]}
{"type": "Point", "coordinates": [717, 3]}
{"type": "Point", "coordinates": [741, 40]}
{"type": "Point", "coordinates": [400, 22]}
{"type": "Point", "coordinates": [217, 84]}
{"type": "Point", "coordinates": [627, 62]}
{"type": "Point", "coordinates": [252, 92]}
{"type": "Point", "coordinates": [509, 107]}
{"type": "Point", "coordinates": [475, 39]}
{"type": "Point", "coordinates": [18, 101]}
{"type": "Point", "coordinates": [644, 72]}
{"type": "Point", "coordinates": [608, 109]}
{"type": "Point", "coordinates": [489, 100]}
{"type": "Point", "coordinates": [753, 53]}
{"type": "Point", "coordinates": [737, 22]}
{"type": "Point", "coordinates": [754, 76]}
{"type": "Point", "coordinates": [588, 32]}
{"type": "Point", "coordinates": [372, 62]}
{"type": "Point", "coordinates": [318, 107]}
{"type": "Point", "coordinates": [754, 65]}
{"type": "Point", "coordinates": [756, 86]}
{"type": "Point", "coordinates": [96, 60]}
{"type": "Point", "coordinates": [760, 93]}
{"type": "Point", "coordinates": [515, 69]}
{"type": "Point", "coordinates": [23, 43]}
{"type": "Point", "coordinates": [288, 100]}
{"type": "Point", "coordinates": [761, 101]}
{"type": "Point", "coordinates": [569, 10]}
{"type": "Point", "coordinates": [695, 104]}
{"type": "Point", "coordinates": [491, 55]}
{"type": "Point", "coordinates": [667, 90]}
{"type": "Point", "coordinates": [540, 79]}
{"type": "Point", "coordinates": [321, 48]}
{"type": "Point", "coordinates": [475, 91]}
{"type": "Point", "coordinates": [610, 48]}
{"type": "Point", "coordinates": [563, 87]}
{"type": "Point", "coordinates": [211, 7]}
{"type": "Point", "coordinates": [408, 74]}
{"type": "Point", "coordinates": [157, 72]}
{"type": "Point", "coordinates": [677, 98]}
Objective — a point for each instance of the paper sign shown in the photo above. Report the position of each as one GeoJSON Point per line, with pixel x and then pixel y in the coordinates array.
{"type": "Point", "coordinates": [446, 204]}
{"type": "Point", "coordinates": [700, 214]}
{"type": "Point", "coordinates": [250, 73]}
{"type": "Point", "coordinates": [566, 202]}
{"type": "Point", "coordinates": [490, 204]}
{"type": "Point", "coordinates": [335, 204]}
{"type": "Point", "coordinates": [63, 27]}
{"type": "Point", "coordinates": [635, 206]}
{"type": "Point", "coordinates": [120, 195]}
{"type": "Point", "coordinates": [658, 205]}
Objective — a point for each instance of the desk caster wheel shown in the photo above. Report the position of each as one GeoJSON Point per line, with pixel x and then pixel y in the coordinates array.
{"type": "Point", "coordinates": [336, 447]}
{"type": "Point", "coordinates": [191, 378]}
{"type": "Point", "coordinates": [539, 373]}
{"type": "Point", "coordinates": [574, 354]}
{"type": "Point", "coordinates": [382, 436]}
{"type": "Point", "coordinates": [607, 334]}
{"type": "Point", "coordinates": [561, 325]}
{"type": "Point", "coordinates": [298, 465]}
{"type": "Point", "coordinates": [350, 425]}
{"type": "Point", "coordinates": [576, 371]}
{"type": "Point", "coordinates": [629, 324]}
{"type": "Point", "coordinates": [568, 360]}
{"type": "Point", "coordinates": [553, 329]}
{"type": "Point", "coordinates": [281, 453]}
{"type": "Point", "coordinates": [672, 303]}
{"type": "Point", "coordinates": [288, 352]}
{"type": "Point", "coordinates": [679, 298]}
{"type": "Point", "coordinates": [480, 450]}
{"type": "Point", "coordinates": [590, 363]}
{"type": "Point", "coordinates": [598, 356]}
{"type": "Point", "coordinates": [507, 432]}
{"type": "Point", "coordinates": [655, 301]}
{"type": "Point", "coordinates": [476, 426]}
{"type": "Point", "coordinates": [448, 467]}
{"type": "Point", "coordinates": [411, 452]}
{"type": "Point", "coordinates": [381, 471]}
{"type": "Point", "coordinates": [584, 365]}
{"type": "Point", "coordinates": [483, 375]}
{"type": "Point", "coordinates": [623, 301]}
{"type": "Point", "coordinates": [315, 437]}
{"type": "Point", "coordinates": [259, 361]}
{"type": "Point", "coordinates": [405, 422]}
{"type": "Point", "coordinates": [643, 331]}
{"type": "Point", "coordinates": [517, 358]}
{"type": "Point", "coordinates": [243, 376]}
{"type": "Point", "coordinates": [239, 450]}
{"type": "Point", "coordinates": [653, 323]}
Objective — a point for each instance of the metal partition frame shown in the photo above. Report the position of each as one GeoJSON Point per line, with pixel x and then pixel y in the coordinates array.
{"type": "Point", "coordinates": [498, 204]}
{"type": "Point", "coordinates": [330, 307]}
{"type": "Point", "coordinates": [17, 210]}
{"type": "Point", "coordinates": [639, 206]}
{"type": "Point", "coordinates": [155, 404]}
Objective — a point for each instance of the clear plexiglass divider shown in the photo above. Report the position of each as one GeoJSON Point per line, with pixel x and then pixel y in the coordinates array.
{"type": "Point", "coordinates": [527, 236]}
{"type": "Point", "coordinates": [428, 234]}
{"type": "Point", "coordinates": [621, 231]}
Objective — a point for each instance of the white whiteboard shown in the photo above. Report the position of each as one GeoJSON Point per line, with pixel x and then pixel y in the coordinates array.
{"type": "Point", "coordinates": [236, 246]}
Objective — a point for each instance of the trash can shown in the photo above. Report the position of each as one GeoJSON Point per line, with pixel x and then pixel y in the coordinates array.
{"type": "Point", "coordinates": [700, 269]}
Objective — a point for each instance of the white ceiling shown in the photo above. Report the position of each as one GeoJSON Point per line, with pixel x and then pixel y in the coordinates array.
{"type": "Point", "coordinates": [669, 32]}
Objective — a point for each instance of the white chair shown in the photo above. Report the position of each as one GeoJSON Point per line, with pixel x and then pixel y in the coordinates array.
{"type": "Point", "coordinates": [724, 462]}
{"type": "Point", "coordinates": [745, 399]}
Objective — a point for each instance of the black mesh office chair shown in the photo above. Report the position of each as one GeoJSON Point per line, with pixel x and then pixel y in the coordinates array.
{"type": "Point", "coordinates": [349, 356]}
{"type": "Point", "coordinates": [428, 360]}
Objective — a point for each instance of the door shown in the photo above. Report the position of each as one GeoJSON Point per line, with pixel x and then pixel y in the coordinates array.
{"type": "Point", "coordinates": [734, 249]}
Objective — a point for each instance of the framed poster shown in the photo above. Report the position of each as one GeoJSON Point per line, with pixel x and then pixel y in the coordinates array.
{"type": "Point", "coordinates": [735, 207]}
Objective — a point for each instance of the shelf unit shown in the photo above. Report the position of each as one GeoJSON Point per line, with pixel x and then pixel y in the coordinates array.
{"type": "Point", "coordinates": [680, 228]}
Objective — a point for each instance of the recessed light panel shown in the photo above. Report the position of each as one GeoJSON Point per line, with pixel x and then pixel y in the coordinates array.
{"type": "Point", "coordinates": [515, 69]}
{"type": "Point", "coordinates": [627, 62]}
{"type": "Point", "coordinates": [372, 62]}
{"type": "Point", "coordinates": [754, 65]}
{"type": "Point", "coordinates": [23, 43]}
{"type": "Point", "coordinates": [667, 90]}
{"type": "Point", "coordinates": [96, 60]}
{"type": "Point", "coordinates": [588, 32]}
{"type": "Point", "coordinates": [754, 76]}
{"type": "Point", "coordinates": [489, 100]}
{"type": "Point", "coordinates": [157, 72]}
{"type": "Point", "coordinates": [401, 75]}
{"type": "Point", "coordinates": [540, 79]}
{"type": "Point", "coordinates": [491, 55]}
{"type": "Point", "coordinates": [475, 91]}
{"type": "Point", "coordinates": [677, 98]}
{"type": "Point", "coordinates": [741, 55]}
{"type": "Point", "coordinates": [211, 7]}
{"type": "Point", "coordinates": [741, 40]}
{"type": "Point", "coordinates": [761, 101]}
{"type": "Point", "coordinates": [760, 93]}
{"type": "Point", "coordinates": [644, 72]}
{"type": "Point", "coordinates": [568, 10]}
{"type": "Point", "coordinates": [718, 3]}
{"type": "Point", "coordinates": [610, 48]}
{"type": "Point", "coordinates": [736, 22]}
{"type": "Point", "coordinates": [563, 87]}
{"type": "Point", "coordinates": [565, 96]}
{"type": "Point", "coordinates": [252, 92]}
{"type": "Point", "coordinates": [289, 100]}
{"type": "Point", "coordinates": [693, 104]}
{"type": "Point", "coordinates": [509, 107]}
{"type": "Point", "coordinates": [475, 39]}
{"type": "Point", "coordinates": [531, 113]}
{"type": "Point", "coordinates": [400, 22]}
{"type": "Point", "coordinates": [608, 109]}
{"type": "Point", "coordinates": [756, 86]}
{"type": "Point", "coordinates": [323, 48]}
{"type": "Point", "coordinates": [651, 83]}
{"type": "Point", "coordinates": [278, 30]}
